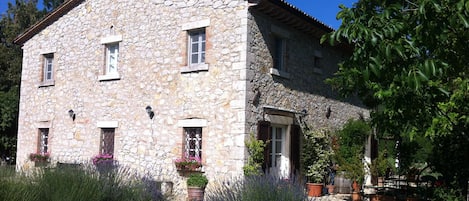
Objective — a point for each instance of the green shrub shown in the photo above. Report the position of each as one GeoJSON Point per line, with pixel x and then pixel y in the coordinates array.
{"type": "Point", "coordinates": [77, 184]}
{"type": "Point", "coordinates": [256, 188]}
{"type": "Point", "coordinates": [197, 180]}
{"type": "Point", "coordinates": [255, 149]}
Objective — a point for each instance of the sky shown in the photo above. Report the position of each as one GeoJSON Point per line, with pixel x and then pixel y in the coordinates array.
{"type": "Point", "coordinates": [323, 10]}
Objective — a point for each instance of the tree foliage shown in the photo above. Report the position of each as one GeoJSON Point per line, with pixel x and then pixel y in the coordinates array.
{"type": "Point", "coordinates": [20, 15]}
{"type": "Point", "coordinates": [410, 64]}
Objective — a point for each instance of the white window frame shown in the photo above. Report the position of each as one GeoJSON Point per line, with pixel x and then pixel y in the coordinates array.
{"type": "Point", "coordinates": [112, 58]}
{"type": "Point", "coordinates": [279, 158]}
{"type": "Point", "coordinates": [48, 67]}
{"type": "Point", "coordinates": [191, 28]}
{"type": "Point", "coordinates": [109, 43]}
{"type": "Point", "coordinates": [199, 34]}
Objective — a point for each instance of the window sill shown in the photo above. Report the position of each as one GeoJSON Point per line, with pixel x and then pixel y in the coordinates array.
{"type": "Point", "coordinates": [47, 83]}
{"type": "Point", "coordinates": [194, 68]}
{"type": "Point", "coordinates": [109, 77]}
{"type": "Point", "coordinates": [279, 73]}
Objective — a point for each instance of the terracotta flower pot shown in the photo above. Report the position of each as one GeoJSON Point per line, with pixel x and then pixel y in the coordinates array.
{"type": "Point", "coordinates": [195, 193]}
{"type": "Point", "coordinates": [314, 189]}
{"type": "Point", "coordinates": [330, 189]}
{"type": "Point", "coordinates": [356, 196]}
{"type": "Point", "coordinates": [355, 186]}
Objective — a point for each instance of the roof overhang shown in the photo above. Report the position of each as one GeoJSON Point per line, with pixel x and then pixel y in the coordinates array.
{"type": "Point", "coordinates": [47, 20]}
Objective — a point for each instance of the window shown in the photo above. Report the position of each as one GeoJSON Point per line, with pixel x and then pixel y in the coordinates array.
{"type": "Point", "coordinates": [282, 150]}
{"type": "Point", "coordinates": [43, 140]}
{"type": "Point", "coordinates": [112, 56]}
{"type": "Point", "coordinates": [278, 150]}
{"type": "Point", "coordinates": [107, 141]}
{"type": "Point", "coordinates": [193, 142]}
{"type": "Point", "coordinates": [279, 53]}
{"type": "Point", "coordinates": [196, 47]}
{"type": "Point", "coordinates": [48, 67]}
{"type": "Point", "coordinates": [317, 61]}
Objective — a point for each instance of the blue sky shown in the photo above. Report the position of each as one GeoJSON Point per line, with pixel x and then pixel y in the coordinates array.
{"type": "Point", "coordinates": [324, 10]}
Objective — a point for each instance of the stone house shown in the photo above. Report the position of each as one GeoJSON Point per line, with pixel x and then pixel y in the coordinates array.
{"type": "Point", "coordinates": [151, 81]}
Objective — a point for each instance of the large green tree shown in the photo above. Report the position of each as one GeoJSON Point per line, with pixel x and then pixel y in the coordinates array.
{"type": "Point", "coordinates": [410, 64]}
{"type": "Point", "coordinates": [20, 15]}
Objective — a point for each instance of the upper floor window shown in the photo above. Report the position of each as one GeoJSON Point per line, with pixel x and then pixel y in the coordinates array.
{"type": "Point", "coordinates": [112, 56]}
{"type": "Point", "coordinates": [196, 52]}
{"type": "Point", "coordinates": [48, 67]}
{"type": "Point", "coordinates": [196, 33]}
{"type": "Point", "coordinates": [193, 142]}
{"type": "Point", "coordinates": [279, 53]}
{"type": "Point", "coordinates": [111, 62]}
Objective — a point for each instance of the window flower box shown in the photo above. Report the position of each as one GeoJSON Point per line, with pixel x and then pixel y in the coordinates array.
{"type": "Point", "coordinates": [39, 159]}
{"type": "Point", "coordinates": [188, 164]}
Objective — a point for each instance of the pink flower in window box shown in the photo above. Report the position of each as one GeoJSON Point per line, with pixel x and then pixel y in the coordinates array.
{"type": "Point", "coordinates": [39, 157]}
{"type": "Point", "coordinates": [188, 163]}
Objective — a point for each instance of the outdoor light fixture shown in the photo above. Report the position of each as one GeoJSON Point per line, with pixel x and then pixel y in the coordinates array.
{"type": "Point", "coordinates": [150, 112]}
{"type": "Point", "coordinates": [71, 113]}
{"type": "Point", "coordinates": [328, 112]}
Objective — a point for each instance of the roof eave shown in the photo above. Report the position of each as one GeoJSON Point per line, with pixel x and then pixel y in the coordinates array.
{"type": "Point", "coordinates": [46, 21]}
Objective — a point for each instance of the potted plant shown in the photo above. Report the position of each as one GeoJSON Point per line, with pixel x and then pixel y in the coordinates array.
{"type": "Point", "coordinates": [196, 186]}
{"type": "Point", "coordinates": [350, 152]}
{"type": "Point", "coordinates": [315, 156]}
{"type": "Point", "coordinates": [39, 159]}
{"type": "Point", "coordinates": [188, 164]}
{"type": "Point", "coordinates": [380, 166]}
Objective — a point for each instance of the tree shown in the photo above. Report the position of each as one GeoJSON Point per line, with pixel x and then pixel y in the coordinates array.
{"type": "Point", "coordinates": [410, 64]}
{"type": "Point", "coordinates": [50, 5]}
{"type": "Point", "coordinates": [19, 16]}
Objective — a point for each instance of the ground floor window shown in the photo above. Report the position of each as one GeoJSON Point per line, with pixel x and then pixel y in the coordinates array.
{"type": "Point", "coordinates": [107, 141]}
{"type": "Point", "coordinates": [43, 140]}
{"type": "Point", "coordinates": [193, 142]}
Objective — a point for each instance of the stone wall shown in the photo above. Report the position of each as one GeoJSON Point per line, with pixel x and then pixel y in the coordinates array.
{"type": "Point", "coordinates": [304, 88]}
{"type": "Point", "coordinates": [151, 58]}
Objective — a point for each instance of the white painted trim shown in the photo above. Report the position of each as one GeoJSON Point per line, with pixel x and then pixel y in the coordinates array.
{"type": "Point", "coordinates": [44, 124]}
{"type": "Point", "coordinates": [194, 68]}
{"type": "Point", "coordinates": [196, 24]}
{"type": "Point", "coordinates": [280, 31]}
{"type": "Point", "coordinates": [113, 76]}
{"type": "Point", "coordinates": [107, 124]}
{"type": "Point", "coordinates": [47, 51]}
{"type": "Point", "coordinates": [111, 39]}
{"type": "Point", "coordinates": [192, 123]}
{"type": "Point", "coordinates": [279, 73]}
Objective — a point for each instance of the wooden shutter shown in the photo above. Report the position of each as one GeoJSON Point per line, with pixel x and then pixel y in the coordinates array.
{"type": "Point", "coordinates": [295, 149]}
{"type": "Point", "coordinates": [263, 133]}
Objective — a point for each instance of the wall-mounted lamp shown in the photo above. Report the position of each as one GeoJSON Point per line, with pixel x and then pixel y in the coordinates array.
{"type": "Point", "coordinates": [150, 112]}
{"type": "Point", "coordinates": [328, 112]}
{"type": "Point", "coordinates": [71, 113]}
